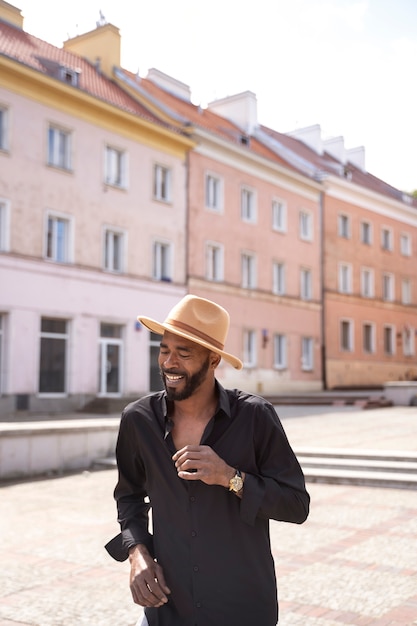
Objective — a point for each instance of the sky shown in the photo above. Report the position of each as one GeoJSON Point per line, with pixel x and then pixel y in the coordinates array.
{"type": "Point", "coordinates": [347, 65]}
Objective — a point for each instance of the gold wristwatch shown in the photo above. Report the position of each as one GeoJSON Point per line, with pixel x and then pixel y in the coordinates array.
{"type": "Point", "coordinates": [236, 483]}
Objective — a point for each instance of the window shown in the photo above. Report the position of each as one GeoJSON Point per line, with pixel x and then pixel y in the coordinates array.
{"type": "Point", "coordinates": [305, 284]}
{"type": "Point", "coordinates": [4, 225]}
{"type": "Point", "coordinates": [161, 261]}
{"type": "Point", "coordinates": [306, 226]}
{"type": "Point", "coordinates": [389, 335]}
{"type": "Point", "coordinates": [345, 278]}
{"type": "Point", "coordinates": [59, 148]}
{"type": "Point", "coordinates": [247, 204]}
{"type": "Point", "coordinates": [278, 278]}
{"type": "Point", "coordinates": [110, 359]}
{"type": "Point", "coordinates": [214, 194]}
{"type": "Point", "coordinates": [346, 335]}
{"type": "Point", "coordinates": [408, 340]}
{"type": "Point", "coordinates": [4, 128]}
{"type": "Point", "coordinates": [248, 262]}
{"type": "Point", "coordinates": [366, 233]}
{"type": "Point", "coordinates": [249, 348]}
{"type": "Point", "coordinates": [388, 287]}
{"type": "Point", "coordinates": [280, 351]}
{"type": "Point", "coordinates": [162, 183]}
{"type": "Point", "coordinates": [405, 244]}
{"type": "Point", "coordinates": [306, 353]}
{"type": "Point", "coordinates": [368, 338]}
{"type": "Point", "coordinates": [53, 356]}
{"type": "Point", "coordinates": [386, 238]}
{"type": "Point", "coordinates": [214, 261]}
{"type": "Point", "coordinates": [1, 353]}
{"type": "Point", "coordinates": [406, 291]}
{"type": "Point", "coordinates": [58, 239]}
{"type": "Point", "coordinates": [279, 216]}
{"type": "Point", "coordinates": [115, 167]}
{"type": "Point", "coordinates": [113, 250]}
{"type": "Point", "coordinates": [344, 226]}
{"type": "Point", "coordinates": [367, 283]}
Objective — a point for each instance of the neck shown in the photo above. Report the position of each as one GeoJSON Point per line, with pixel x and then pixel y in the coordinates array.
{"type": "Point", "coordinates": [200, 405]}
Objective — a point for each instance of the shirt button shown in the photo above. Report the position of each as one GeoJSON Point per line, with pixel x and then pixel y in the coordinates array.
{"type": "Point", "coordinates": [195, 568]}
{"type": "Point", "coordinates": [192, 499]}
{"type": "Point", "coordinates": [193, 533]}
{"type": "Point", "coordinates": [198, 605]}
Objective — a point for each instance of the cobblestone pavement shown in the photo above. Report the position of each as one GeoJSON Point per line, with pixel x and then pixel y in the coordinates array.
{"type": "Point", "coordinates": [353, 562]}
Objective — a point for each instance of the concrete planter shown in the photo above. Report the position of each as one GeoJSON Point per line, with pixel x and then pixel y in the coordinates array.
{"type": "Point", "coordinates": [403, 393]}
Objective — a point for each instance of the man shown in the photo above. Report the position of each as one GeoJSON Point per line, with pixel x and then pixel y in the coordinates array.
{"type": "Point", "coordinates": [216, 466]}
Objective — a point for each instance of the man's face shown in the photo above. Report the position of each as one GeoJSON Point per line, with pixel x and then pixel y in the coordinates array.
{"type": "Point", "coordinates": [183, 366]}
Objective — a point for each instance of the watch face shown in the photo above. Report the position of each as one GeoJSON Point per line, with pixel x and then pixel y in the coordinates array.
{"type": "Point", "coordinates": [236, 483]}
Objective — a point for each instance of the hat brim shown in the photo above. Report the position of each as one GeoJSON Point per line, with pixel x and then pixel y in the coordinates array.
{"type": "Point", "coordinates": [160, 329]}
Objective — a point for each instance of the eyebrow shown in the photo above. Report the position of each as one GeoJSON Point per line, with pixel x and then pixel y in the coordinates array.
{"type": "Point", "coordinates": [178, 347]}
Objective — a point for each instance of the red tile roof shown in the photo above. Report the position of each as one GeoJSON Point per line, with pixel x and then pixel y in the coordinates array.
{"type": "Point", "coordinates": [41, 56]}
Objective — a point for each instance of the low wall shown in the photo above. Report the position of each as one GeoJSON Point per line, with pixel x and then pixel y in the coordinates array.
{"type": "Point", "coordinates": [37, 448]}
{"type": "Point", "coordinates": [401, 393]}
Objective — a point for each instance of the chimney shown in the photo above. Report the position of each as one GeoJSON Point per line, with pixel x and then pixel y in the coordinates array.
{"type": "Point", "coordinates": [356, 156]}
{"type": "Point", "coordinates": [11, 14]}
{"type": "Point", "coordinates": [174, 86]}
{"type": "Point", "coordinates": [335, 146]}
{"type": "Point", "coordinates": [100, 46]}
{"type": "Point", "coordinates": [310, 135]}
{"type": "Point", "coordinates": [241, 109]}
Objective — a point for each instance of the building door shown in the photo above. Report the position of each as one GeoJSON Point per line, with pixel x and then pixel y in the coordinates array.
{"type": "Point", "coordinates": [110, 360]}
{"type": "Point", "coordinates": [155, 377]}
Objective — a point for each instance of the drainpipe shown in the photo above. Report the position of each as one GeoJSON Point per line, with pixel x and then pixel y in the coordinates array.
{"type": "Point", "coordinates": [322, 294]}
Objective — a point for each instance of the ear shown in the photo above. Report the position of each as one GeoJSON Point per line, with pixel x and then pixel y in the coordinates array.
{"type": "Point", "coordinates": [215, 359]}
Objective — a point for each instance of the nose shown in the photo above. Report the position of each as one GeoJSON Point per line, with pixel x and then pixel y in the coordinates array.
{"type": "Point", "coordinates": [169, 360]}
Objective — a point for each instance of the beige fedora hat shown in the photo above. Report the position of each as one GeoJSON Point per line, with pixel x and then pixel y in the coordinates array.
{"type": "Point", "coordinates": [198, 320]}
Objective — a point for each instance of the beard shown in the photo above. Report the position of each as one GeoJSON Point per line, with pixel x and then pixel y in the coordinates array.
{"type": "Point", "coordinates": [191, 382]}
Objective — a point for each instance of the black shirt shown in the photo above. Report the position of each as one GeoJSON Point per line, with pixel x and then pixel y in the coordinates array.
{"type": "Point", "coordinates": [214, 547]}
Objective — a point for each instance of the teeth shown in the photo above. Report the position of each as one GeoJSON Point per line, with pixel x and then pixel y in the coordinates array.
{"type": "Point", "coordinates": [172, 377]}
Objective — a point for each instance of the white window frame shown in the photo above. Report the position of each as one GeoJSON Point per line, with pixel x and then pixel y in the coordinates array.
{"type": "Point", "coordinates": [213, 192]}
{"type": "Point", "coordinates": [368, 326]}
{"type": "Point", "coordinates": [307, 354]}
{"type": "Point", "coordinates": [279, 215]}
{"type": "Point", "coordinates": [249, 348]}
{"type": "Point", "coordinates": [344, 226]}
{"type": "Point", "coordinates": [367, 282]}
{"type": "Point", "coordinates": [162, 183]}
{"type": "Point", "coordinates": [59, 147]}
{"type": "Point", "coordinates": [4, 225]}
{"type": "Point", "coordinates": [348, 345]}
{"type": "Point", "coordinates": [278, 278]}
{"type": "Point", "coordinates": [388, 287]}
{"type": "Point", "coordinates": [56, 254]}
{"type": "Point", "coordinates": [345, 278]}
{"type": "Point", "coordinates": [280, 351]}
{"type": "Point", "coordinates": [408, 337]}
{"type": "Point", "coordinates": [66, 338]}
{"type": "Point", "coordinates": [389, 334]}
{"type": "Point", "coordinates": [115, 167]}
{"type": "Point", "coordinates": [4, 128]}
{"type": "Point", "coordinates": [248, 270]}
{"type": "Point", "coordinates": [405, 244]}
{"type": "Point", "coordinates": [366, 233]}
{"type": "Point", "coordinates": [406, 297]}
{"type": "Point", "coordinates": [2, 354]}
{"type": "Point", "coordinates": [306, 283]}
{"type": "Point", "coordinates": [162, 260]}
{"type": "Point", "coordinates": [306, 225]}
{"type": "Point", "coordinates": [248, 204]}
{"type": "Point", "coordinates": [387, 238]}
{"type": "Point", "coordinates": [214, 261]}
{"type": "Point", "coordinates": [110, 252]}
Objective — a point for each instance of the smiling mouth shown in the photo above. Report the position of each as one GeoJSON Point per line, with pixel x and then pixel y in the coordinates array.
{"type": "Point", "coordinates": [173, 378]}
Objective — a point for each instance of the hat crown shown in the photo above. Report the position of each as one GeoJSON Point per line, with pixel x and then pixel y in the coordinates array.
{"type": "Point", "coordinates": [204, 318]}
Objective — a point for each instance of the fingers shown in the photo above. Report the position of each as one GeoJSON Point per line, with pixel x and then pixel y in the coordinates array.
{"type": "Point", "coordinates": [149, 588]}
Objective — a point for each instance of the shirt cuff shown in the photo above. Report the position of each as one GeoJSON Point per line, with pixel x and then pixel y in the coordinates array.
{"type": "Point", "coordinates": [253, 493]}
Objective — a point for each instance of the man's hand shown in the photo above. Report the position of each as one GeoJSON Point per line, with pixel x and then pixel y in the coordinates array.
{"type": "Point", "coordinates": [202, 463]}
{"type": "Point", "coordinates": [147, 582]}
